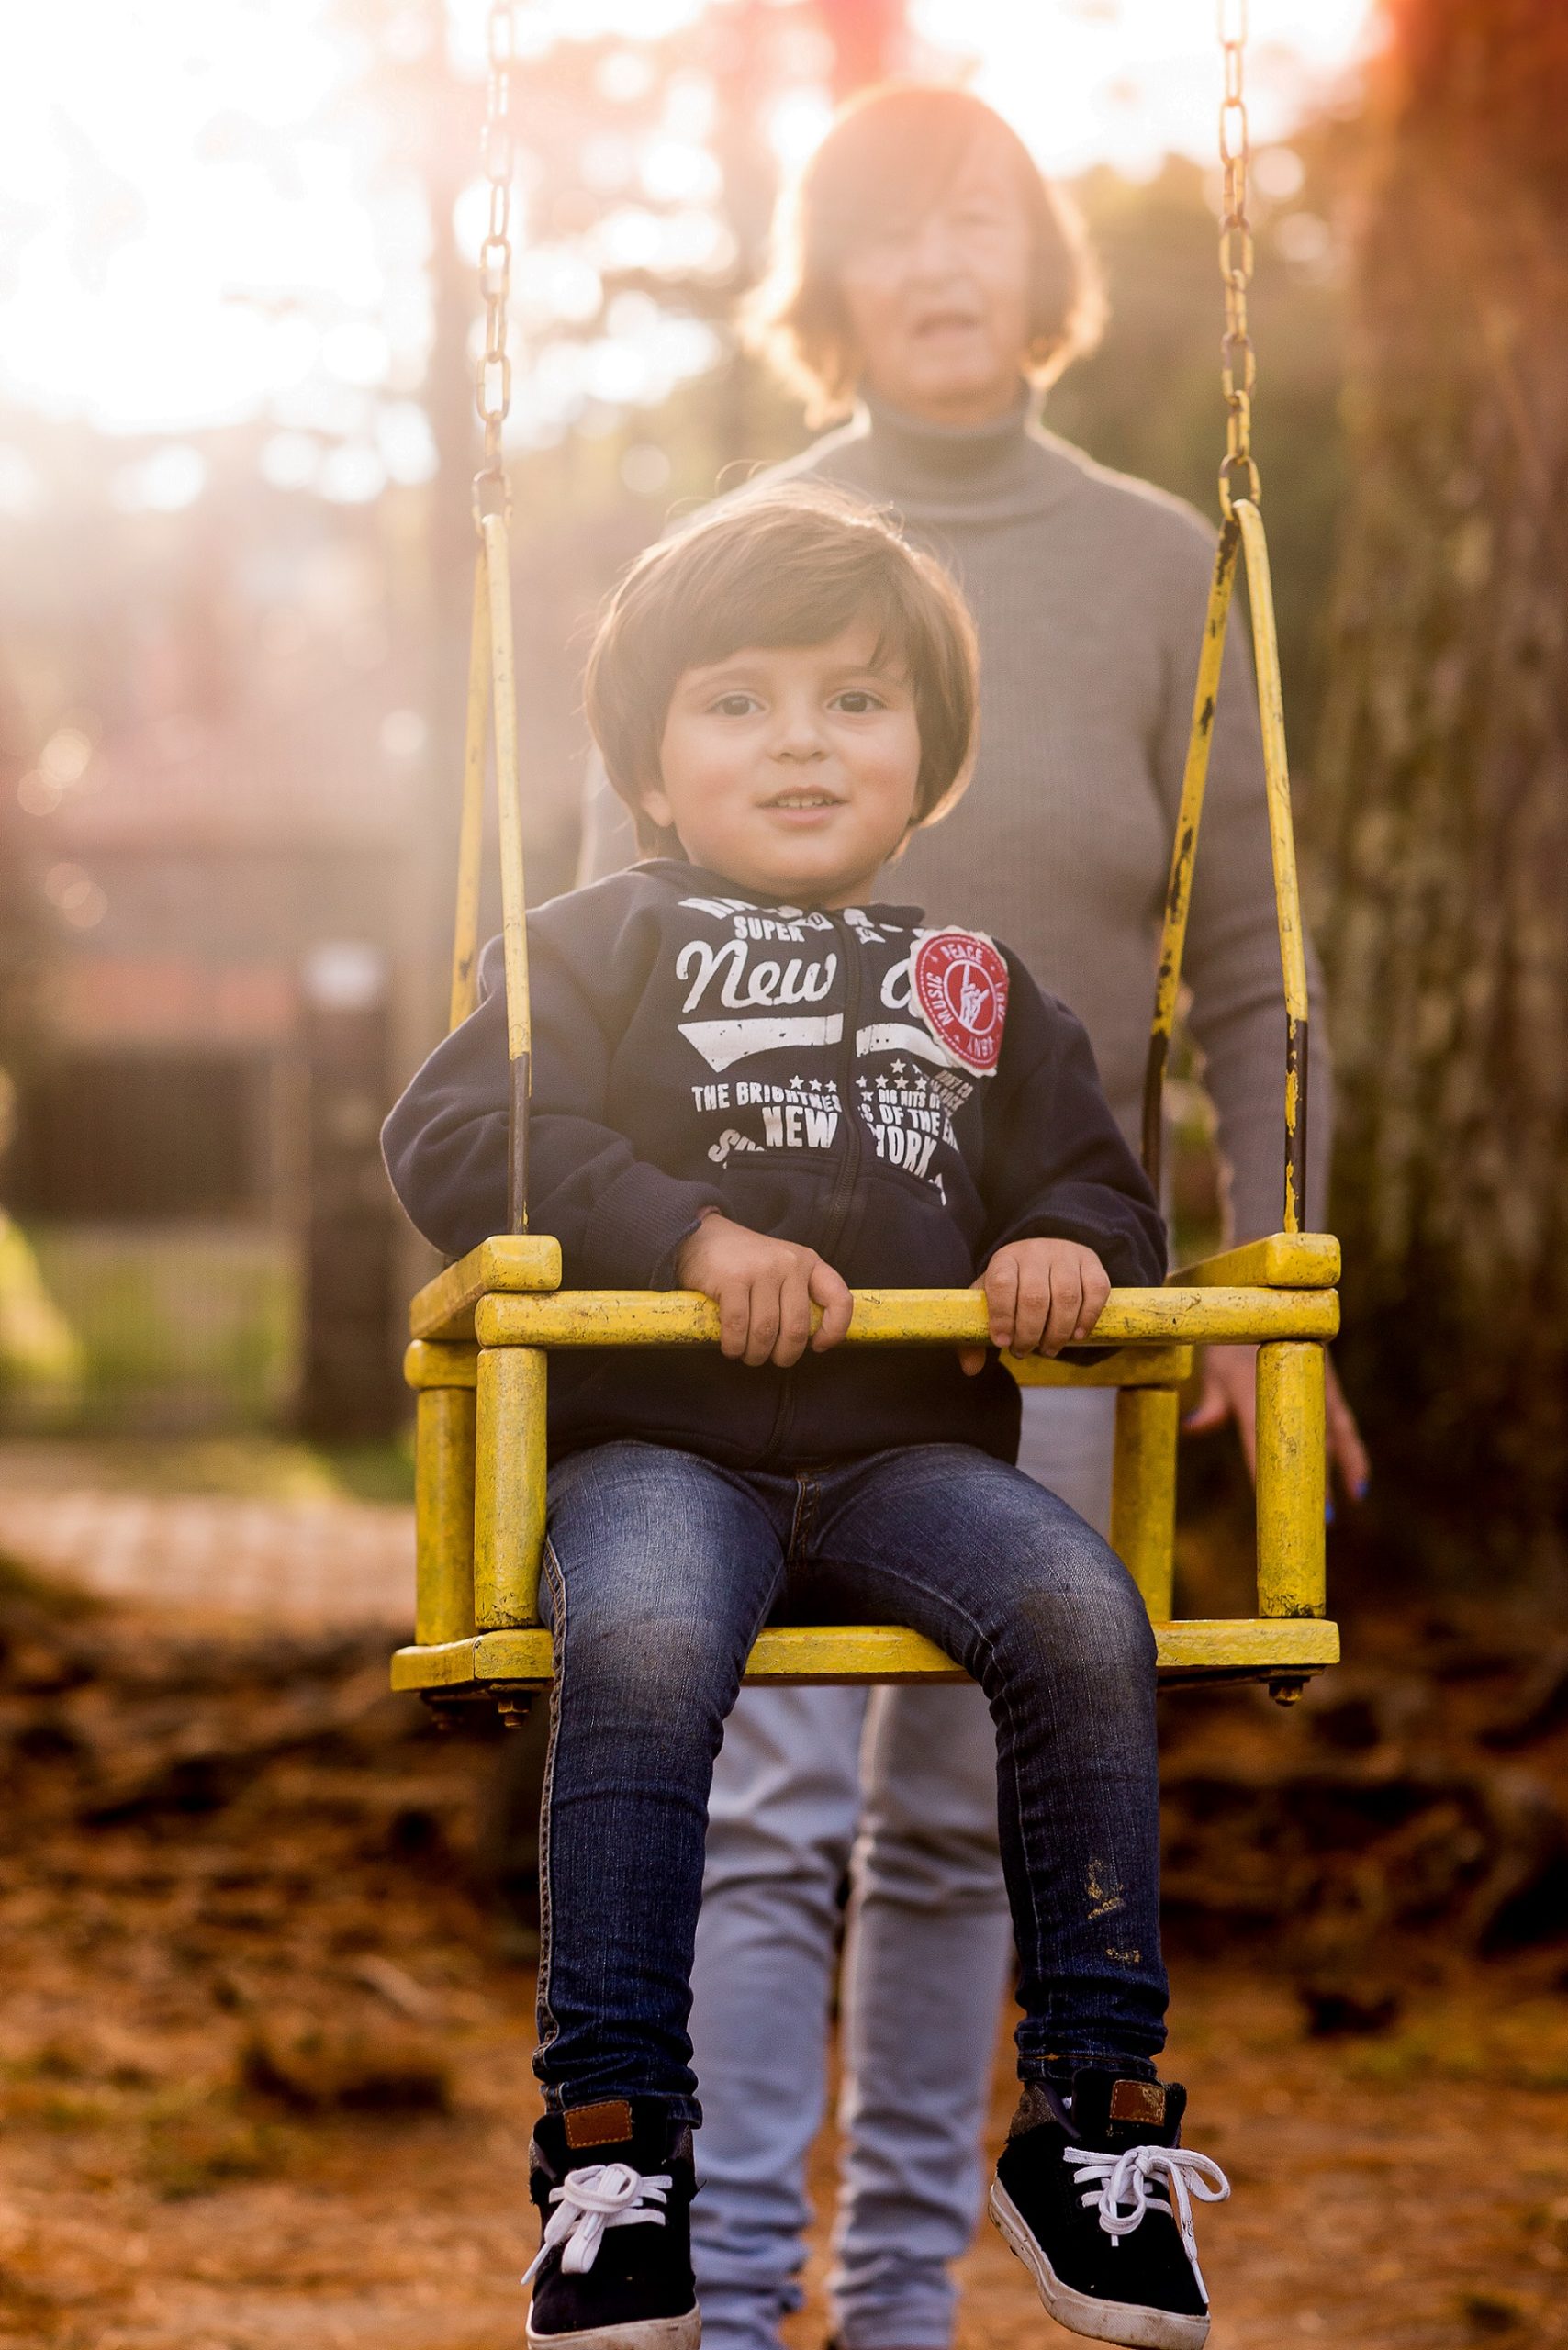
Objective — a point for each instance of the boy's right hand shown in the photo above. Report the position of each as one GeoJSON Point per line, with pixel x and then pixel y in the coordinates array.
{"type": "Point", "coordinates": [764, 1290]}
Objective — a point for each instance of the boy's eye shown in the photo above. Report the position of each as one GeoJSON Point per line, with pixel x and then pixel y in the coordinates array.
{"type": "Point", "coordinates": [734, 705]}
{"type": "Point", "coordinates": [857, 701]}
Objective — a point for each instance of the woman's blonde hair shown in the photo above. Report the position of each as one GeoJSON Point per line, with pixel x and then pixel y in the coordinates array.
{"type": "Point", "coordinates": [891, 154]}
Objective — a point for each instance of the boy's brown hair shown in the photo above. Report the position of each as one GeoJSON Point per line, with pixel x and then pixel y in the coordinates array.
{"type": "Point", "coordinates": [781, 568]}
{"type": "Point", "coordinates": [889, 155]}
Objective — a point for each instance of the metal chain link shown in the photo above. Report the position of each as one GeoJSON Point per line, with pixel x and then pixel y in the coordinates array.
{"type": "Point", "coordinates": [1240, 371]}
{"type": "Point", "coordinates": [492, 387]}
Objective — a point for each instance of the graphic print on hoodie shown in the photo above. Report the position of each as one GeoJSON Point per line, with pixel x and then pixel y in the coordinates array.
{"type": "Point", "coordinates": [902, 1100]}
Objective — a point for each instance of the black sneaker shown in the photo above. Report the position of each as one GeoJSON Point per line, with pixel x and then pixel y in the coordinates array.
{"type": "Point", "coordinates": [1095, 2196]}
{"type": "Point", "coordinates": [613, 2184]}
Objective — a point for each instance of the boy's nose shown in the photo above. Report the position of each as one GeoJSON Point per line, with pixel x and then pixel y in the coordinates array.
{"type": "Point", "coordinates": [800, 737]}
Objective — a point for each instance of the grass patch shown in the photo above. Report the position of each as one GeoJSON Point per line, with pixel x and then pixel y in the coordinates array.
{"type": "Point", "coordinates": [20, 1581]}
{"type": "Point", "coordinates": [1525, 2048]}
{"type": "Point", "coordinates": [186, 1325]}
{"type": "Point", "coordinates": [244, 1467]}
{"type": "Point", "coordinates": [210, 2147]}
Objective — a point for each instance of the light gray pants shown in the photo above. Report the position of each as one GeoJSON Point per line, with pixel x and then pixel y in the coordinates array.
{"type": "Point", "coordinates": [899, 1786]}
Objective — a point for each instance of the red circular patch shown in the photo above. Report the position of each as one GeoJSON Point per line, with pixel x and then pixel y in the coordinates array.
{"type": "Point", "coordinates": [960, 991]}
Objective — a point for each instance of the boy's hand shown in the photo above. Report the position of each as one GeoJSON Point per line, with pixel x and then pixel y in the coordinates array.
{"type": "Point", "coordinates": [1041, 1295]}
{"type": "Point", "coordinates": [764, 1290]}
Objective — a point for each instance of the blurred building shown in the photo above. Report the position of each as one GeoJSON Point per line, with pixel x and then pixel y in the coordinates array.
{"type": "Point", "coordinates": [234, 817]}
{"type": "Point", "coordinates": [213, 847]}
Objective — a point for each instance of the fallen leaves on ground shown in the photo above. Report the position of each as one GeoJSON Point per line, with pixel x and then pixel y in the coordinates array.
{"type": "Point", "coordinates": [265, 2072]}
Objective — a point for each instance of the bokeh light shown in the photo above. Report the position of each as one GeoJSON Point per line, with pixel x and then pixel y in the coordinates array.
{"type": "Point", "coordinates": [1126, 82]}
{"type": "Point", "coordinates": [204, 220]}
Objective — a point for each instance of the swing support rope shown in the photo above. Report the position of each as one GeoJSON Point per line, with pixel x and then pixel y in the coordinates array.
{"type": "Point", "coordinates": [1241, 535]}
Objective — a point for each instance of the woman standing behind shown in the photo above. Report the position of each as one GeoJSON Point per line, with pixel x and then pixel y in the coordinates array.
{"type": "Point", "coordinates": [928, 276]}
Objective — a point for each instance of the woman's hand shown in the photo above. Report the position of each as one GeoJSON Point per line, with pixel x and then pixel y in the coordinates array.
{"type": "Point", "coordinates": [1041, 1295]}
{"type": "Point", "coordinates": [1230, 1392]}
{"type": "Point", "coordinates": [764, 1290]}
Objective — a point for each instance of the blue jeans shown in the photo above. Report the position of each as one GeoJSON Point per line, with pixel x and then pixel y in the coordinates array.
{"type": "Point", "coordinates": [662, 1567]}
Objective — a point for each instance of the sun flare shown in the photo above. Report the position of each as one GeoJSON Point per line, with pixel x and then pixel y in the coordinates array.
{"type": "Point", "coordinates": [204, 221]}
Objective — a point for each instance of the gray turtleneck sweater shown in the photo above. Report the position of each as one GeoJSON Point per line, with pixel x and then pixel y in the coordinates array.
{"type": "Point", "coordinates": [1088, 590]}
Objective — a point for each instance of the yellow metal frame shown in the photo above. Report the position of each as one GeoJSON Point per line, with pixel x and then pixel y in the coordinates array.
{"type": "Point", "coordinates": [484, 1329]}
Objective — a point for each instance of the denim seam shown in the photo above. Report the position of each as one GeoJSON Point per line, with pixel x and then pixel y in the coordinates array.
{"type": "Point", "coordinates": [682, 2108]}
{"type": "Point", "coordinates": [549, 2029]}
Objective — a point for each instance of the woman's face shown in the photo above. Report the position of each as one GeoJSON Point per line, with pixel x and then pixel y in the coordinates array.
{"type": "Point", "coordinates": [939, 304]}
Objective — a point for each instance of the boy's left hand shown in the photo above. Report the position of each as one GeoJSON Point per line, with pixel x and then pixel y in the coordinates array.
{"type": "Point", "coordinates": [1041, 1295]}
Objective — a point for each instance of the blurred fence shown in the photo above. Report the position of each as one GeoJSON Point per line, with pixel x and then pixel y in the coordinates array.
{"type": "Point", "coordinates": [169, 1330]}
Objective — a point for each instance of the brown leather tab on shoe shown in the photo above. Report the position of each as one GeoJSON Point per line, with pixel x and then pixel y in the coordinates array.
{"type": "Point", "coordinates": [1139, 2103]}
{"type": "Point", "coordinates": [608, 2124]}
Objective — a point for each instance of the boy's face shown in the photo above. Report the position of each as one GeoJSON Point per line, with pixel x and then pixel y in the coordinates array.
{"type": "Point", "coordinates": [791, 770]}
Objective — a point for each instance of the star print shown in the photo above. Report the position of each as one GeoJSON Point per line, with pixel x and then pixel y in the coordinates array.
{"type": "Point", "coordinates": [898, 1068]}
{"type": "Point", "coordinates": [795, 1080]}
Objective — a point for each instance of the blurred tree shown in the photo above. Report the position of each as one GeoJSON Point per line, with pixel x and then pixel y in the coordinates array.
{"type": "Point", "coordinates": [1444, 783]}
{"type": "Point", "coordinates": [22, 926]}
{"type": "Point", "coordinates": [867, 37]}
{"type": "Point", "coordinates": [1148, 401]}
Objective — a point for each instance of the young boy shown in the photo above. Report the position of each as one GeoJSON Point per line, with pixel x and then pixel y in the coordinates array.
{"type": "Point", "coordinates": [751, 1079]}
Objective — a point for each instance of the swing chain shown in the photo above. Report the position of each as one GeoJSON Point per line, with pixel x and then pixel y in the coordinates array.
{"type": "Point", "coordinates": [1239, 370]}
{"type": "Point", "coordinates": [492, 385]}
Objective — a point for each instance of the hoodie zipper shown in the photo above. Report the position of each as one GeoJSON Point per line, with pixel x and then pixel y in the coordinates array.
{"type": "Point", "coordinates": [841, 1198]}
{"type": "Point", "coordinates": [847, 1179]}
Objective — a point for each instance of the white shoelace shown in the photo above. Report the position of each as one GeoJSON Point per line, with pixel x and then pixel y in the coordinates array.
{"type": "Point", "coordinates": [604, 2195]}
{"type": "Point", "coordinates": [1135, 2177]}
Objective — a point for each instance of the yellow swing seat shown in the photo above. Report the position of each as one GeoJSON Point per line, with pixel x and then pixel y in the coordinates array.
{"type": "Point", "coordinates": [484, 1329]}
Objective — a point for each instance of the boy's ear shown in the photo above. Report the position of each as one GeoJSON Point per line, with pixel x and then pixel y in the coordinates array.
{"type": "Point", "coordinates": [654, 801]}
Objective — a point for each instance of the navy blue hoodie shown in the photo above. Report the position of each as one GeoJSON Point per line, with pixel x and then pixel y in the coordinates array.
{"type": "Point", "coordinates": [903, 1100]}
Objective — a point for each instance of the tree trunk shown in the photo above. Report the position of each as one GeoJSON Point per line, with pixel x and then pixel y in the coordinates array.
{"type": "Point", "coordinates": [868, 38]}
{"type": "Point", "coordinates": [1442, 783]}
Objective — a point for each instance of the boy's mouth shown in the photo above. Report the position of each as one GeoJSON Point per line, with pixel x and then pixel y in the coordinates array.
{"type": "Point", "coordinates": [804, 800]}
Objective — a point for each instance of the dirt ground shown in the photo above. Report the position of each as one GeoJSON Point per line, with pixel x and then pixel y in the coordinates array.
{"type": "Point", "coordinates": [1413, 2194]}
{"type": "Point", "coordinates": [265, 2061]}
